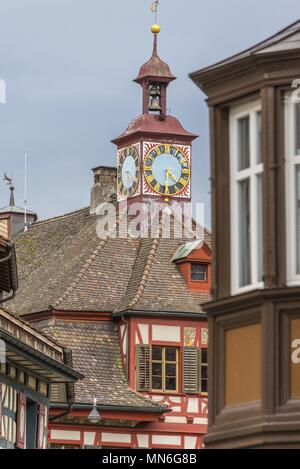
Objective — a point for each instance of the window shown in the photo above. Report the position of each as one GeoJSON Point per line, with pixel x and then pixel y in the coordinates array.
{"type": "Point", "coordinates": [164, 364]}
{"type": "Point", "coordinates": [199, 272]}
{"type": "Point", "coordinates": [203, 371]}
{"type": "Point", "coordinates": [157, 369]}
{"type": "Point", "coordinates": [246, 198]}
{"type": "Point", "coordinates": [292, 150]}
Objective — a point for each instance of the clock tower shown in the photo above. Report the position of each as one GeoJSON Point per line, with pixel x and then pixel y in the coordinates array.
{"type": "Point", "coordinates": [154, 152]}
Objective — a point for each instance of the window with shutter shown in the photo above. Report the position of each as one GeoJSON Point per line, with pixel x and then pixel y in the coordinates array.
{"type": "Point", "coordinates": [190, 370]}
{"type": "Point", "coordinates": [143, 377]}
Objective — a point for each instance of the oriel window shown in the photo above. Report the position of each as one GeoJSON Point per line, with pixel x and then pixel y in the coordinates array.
{"type": "Point", "coordinates": [246, 198]}
{"type": "Point", "coordinates": [292, 158]}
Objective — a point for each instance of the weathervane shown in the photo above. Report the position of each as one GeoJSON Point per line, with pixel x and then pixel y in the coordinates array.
{"type": "Point", "coordinates": [154, 8]}
{"type": "Point", "coordinates": [8, 180]}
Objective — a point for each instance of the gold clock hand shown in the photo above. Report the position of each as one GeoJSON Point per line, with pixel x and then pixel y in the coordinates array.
{"type": "Point", "coordinates": [129, 176]}
{"type": "Point", "coordinates": [173, 177]}
{"type": "Point", "coordinates": [167, 181]}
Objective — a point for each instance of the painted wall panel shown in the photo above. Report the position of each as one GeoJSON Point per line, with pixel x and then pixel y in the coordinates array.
{"type": "Point", "coordinates": [166, 333]}
{"type": "Point", "coordinates": [166, 440]}
{"type": "Point", "coordinates": [116, 437]}
{"type": "Point", "coordinates": [65, 435]}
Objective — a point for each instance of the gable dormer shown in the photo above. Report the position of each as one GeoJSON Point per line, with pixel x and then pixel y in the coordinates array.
{"type": "Point", "coordinates": [194, 261]}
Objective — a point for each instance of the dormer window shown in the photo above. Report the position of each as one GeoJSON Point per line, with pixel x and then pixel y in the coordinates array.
{"type": "Point", "coordinates": [199, 272]}
{"type": "Point", "coordinates": [194, 262]}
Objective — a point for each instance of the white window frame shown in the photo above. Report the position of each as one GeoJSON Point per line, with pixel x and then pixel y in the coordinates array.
{"type": "Point", "coordinates": [250, 109]}
{"type": "Point", "coordinates": [291, 161]}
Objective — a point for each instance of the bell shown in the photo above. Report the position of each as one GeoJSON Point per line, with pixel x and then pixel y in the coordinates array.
{"type": "Point", "coordinates": [155, 90]}
{"type": "Point", "coordinates": [155, 104]}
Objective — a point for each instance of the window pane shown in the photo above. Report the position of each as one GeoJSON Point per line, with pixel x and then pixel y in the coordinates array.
{"type": "Point", "coordinates": [204, 355]}
{"type": "Point", "coordinates": [243, 143]}
{"type": "Point", "coordinates": [171, 354]}
{"type": "Point", "coordinates": [258, 138]}
{"type": "Point", "coordinates": [244, 233]}
{"type": "Point", "coordinates": [297, 129]}
{"type": "Point", "coordinates": [298, 218]}
{"type": "Point", "coordinates": [204, 372]}
{"type": "Point", "coordinates": [199, 272]}
{"type": "Point", "coordinates": [171, 384]}
{"type": "Point", "coordinates": [156, 353]}
{"type": "Point", "coordinates": [204, 387]}
{"type": "Point", "coordinates": [171, 371]}
{"type": "Point", "coordinates": [259, 229]}
{"type": "Point", "coordinates": [156, 382]}
{"type": "Point", "coordinates": [157, 369]}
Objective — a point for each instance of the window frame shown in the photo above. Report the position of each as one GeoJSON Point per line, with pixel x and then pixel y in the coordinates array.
{"type": "Point", "coordinates": [292, 160]}
{"type": "Point", "coordinates": [164, 363]}
{"type": "Point", "coordinates": [203, 365]}
{"type": "Point", "coordinates": [206, 272]}
{"type": "Point", "coordinates": [237, 176]}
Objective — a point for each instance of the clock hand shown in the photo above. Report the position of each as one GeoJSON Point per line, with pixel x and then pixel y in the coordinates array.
{"type": "Point", "coordinates": [129, 176]}
{"type": "Point", "coordinates": [167, 181]}
{"type": "Point", "coordinates": [171, 174]}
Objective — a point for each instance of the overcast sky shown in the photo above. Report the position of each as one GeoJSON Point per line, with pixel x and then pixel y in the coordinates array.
{"type": "Point", "coordinates": [69, 65]}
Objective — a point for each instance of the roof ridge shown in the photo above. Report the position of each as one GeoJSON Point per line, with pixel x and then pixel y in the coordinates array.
{"type": "Point", "coordinates": [59, 217]}
{"type": "Point", "coordinates": [90, 260]}
{"type": "Point", "coordinates": [147, 268]}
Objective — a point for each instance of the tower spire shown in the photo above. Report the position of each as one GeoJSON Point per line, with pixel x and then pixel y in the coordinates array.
{"type": "Point", "coordinates": [12, 196]}
{"type": "Point", "coordinates": [154, 77]}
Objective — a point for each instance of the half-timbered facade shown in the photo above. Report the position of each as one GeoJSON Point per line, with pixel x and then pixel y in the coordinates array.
{"type": "Point", "coordinates": [30, 363]}
{"type": "Point", "coordinates": [129, 307]}
{"type": "Point", "coordinates": [254, 318]}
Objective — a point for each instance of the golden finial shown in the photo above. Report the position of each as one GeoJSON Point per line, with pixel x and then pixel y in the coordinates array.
{"type": "Point", "coordinates": [155, 28]}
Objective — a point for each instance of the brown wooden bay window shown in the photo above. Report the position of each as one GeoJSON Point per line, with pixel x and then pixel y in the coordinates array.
{"type": "Point", "coordinates": [158, 370]}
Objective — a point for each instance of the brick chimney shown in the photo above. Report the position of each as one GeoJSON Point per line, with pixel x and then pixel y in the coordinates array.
{"type": "Point", "coordinates": [105, 184]}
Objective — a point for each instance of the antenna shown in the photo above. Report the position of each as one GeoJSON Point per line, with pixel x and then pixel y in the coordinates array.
{"type": "Point", "coordinates": [25, 191]}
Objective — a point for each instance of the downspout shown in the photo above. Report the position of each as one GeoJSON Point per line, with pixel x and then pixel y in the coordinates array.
{"type": "Point", "coordinates": [127, 347]}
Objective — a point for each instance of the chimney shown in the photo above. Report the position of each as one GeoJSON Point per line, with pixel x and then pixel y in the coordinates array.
{"type": "Point", "coordinates": [105, 184]}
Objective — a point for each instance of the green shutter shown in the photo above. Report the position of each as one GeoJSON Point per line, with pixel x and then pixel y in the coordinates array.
{"type": "Point", "coordinates": [143, 376]}
{"type": "Point", "coordinates": [190, 370]}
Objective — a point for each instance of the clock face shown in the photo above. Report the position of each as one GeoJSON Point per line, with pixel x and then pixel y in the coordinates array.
{"type": "Point", "coordinates": [128, 171]}
{"type": "Point", "coordinates": [167, 170]}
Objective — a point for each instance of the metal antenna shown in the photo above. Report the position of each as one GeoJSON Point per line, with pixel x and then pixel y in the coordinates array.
{"type": "Point", "coordinates": [25, 191]}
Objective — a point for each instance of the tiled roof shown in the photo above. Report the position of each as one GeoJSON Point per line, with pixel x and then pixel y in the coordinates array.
{"type": "Point", "coordinates": [64, 265]}
{"type": "Point", "coordinates": [96, 352]}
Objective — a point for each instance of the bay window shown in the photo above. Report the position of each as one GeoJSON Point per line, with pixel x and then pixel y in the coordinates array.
{"type": "Point", "coordinates": [292, 158]}
{"type": "Point", "coordinates": [246, 170]}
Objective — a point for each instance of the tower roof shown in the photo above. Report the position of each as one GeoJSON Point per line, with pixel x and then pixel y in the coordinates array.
{"type": "Point", "coordinates": [155, 67]}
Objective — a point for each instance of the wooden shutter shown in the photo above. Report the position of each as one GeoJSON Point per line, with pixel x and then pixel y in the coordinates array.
{"type": "Point", "coordinates": [41, 427]}
{"type": "Point", "coordinates": [21, 426]}
{"type": "Point", "coordinates": [58, 392]}
{"type": "Point", "coordinates": [190, 370]}
{"type": "Point", "coordinates": [143, 376]}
